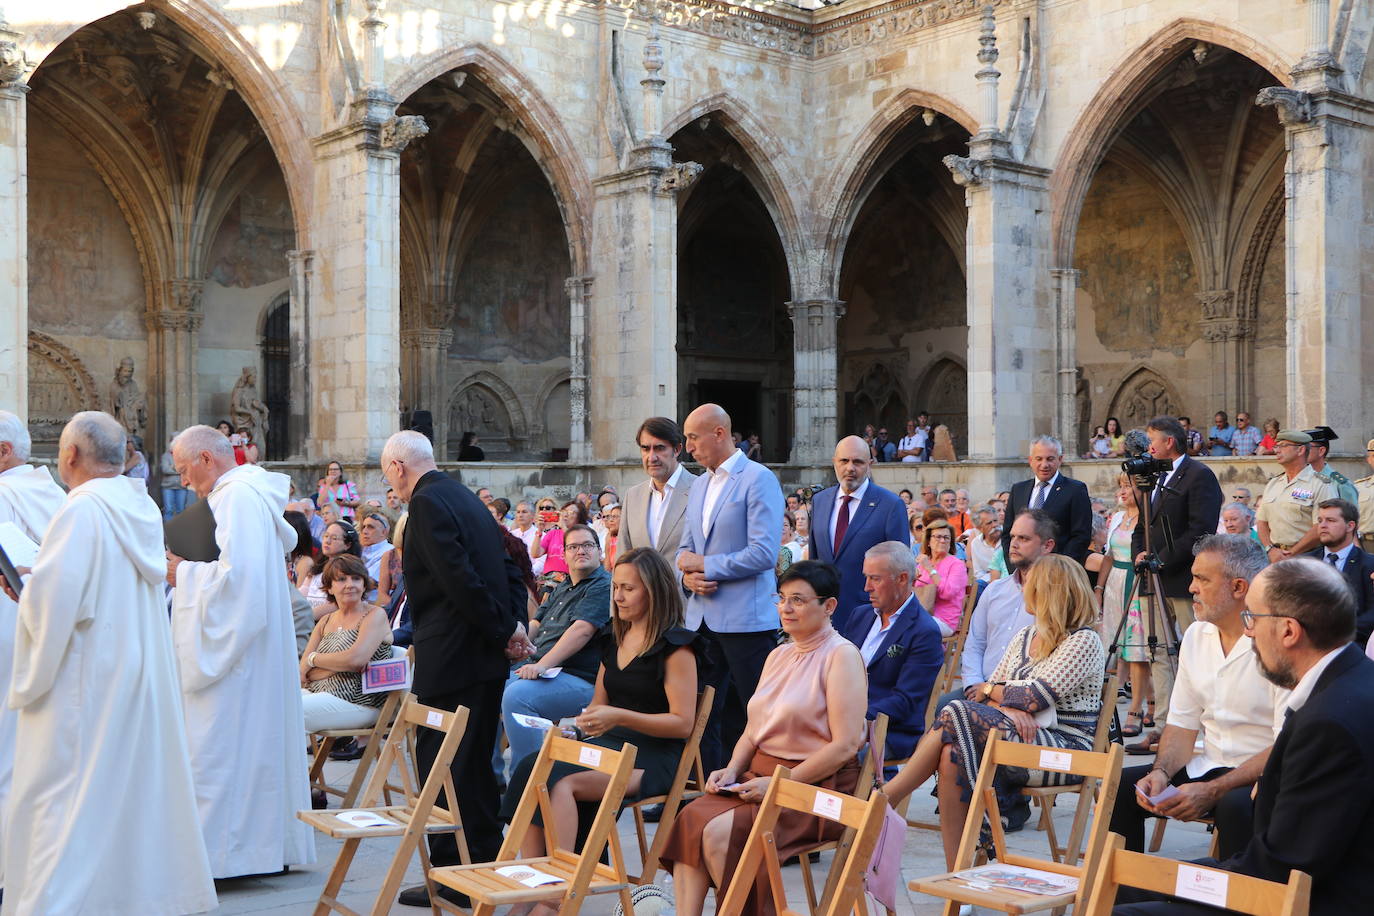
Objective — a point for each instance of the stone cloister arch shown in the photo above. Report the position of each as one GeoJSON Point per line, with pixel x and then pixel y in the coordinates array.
{"type": "Point", "coordinates": [1165, 219]}
{"type": "Point", "coordinates": [152, 171]}
{"type": "Point", "coordinates": [487, 249]}
{"type": "Point", "coordinates": [734, 333]}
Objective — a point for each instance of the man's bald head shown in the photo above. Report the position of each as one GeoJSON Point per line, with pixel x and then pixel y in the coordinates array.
{"type": "Point", "coordinates": [707, 430]}
{"type": "Point", "coordinates": [91, 445]}
{"type": "Point", "coordinates": [852, 463]}
{"type": "Point", "coordinates": [201, 456]}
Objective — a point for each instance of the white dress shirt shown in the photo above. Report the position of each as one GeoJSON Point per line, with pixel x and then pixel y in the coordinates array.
{"type": "Point", "coordinates": [852, 506]}
{"type": "Point", "coordinates": [1341, 555]}
{"type": "Point", "coordinates": [997, 617]}
{"type": "Point", "coordinates": [878, 631]}
{"type": "Point", "coordinates": [716, 485]}
{"type": "Point", "coordinates": [1236, 711]}
{"type": "Point", "coordinates": [658, 502]}
{"type": "Point", "coordinates": [1048, 487]}
{"type": "Point", "coordinates": [1303, 688]}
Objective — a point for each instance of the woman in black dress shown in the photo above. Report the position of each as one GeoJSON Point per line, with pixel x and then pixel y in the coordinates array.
{"type": "Point", "coordinates": [646, 695]}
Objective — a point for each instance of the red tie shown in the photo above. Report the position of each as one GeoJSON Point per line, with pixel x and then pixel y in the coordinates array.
{"type": "Point", "coordinates": [842, 523]}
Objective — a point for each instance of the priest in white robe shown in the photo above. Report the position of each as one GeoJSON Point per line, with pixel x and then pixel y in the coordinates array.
{"type": "Point", "coordinates": [101, 815]}
{"type": "Point", "coordinates": [236, 654]}
{"type": "Point", "coordinates": [29, 498]}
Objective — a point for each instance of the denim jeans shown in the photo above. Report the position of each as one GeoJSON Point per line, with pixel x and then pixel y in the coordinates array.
{"type": "Point", "coordinates": [549, 698]}
{"type": "Point", "coordinates": [173, 501]}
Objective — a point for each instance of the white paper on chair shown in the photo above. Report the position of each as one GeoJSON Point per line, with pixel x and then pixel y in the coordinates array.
{"type": "Point", "coordinates": [1018, 878]}
{"type": "Point", "coordinates": [527, 876]}
{"type": "Point", "coordinates": [1205, 885]}
{"type": "Point", "coordinates": [364, 819]}
{"type": "Point", "coordinates": [532, 721]}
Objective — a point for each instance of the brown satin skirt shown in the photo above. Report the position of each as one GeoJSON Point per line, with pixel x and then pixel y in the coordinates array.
{"type": "Point", "coordinates": [796, 832]}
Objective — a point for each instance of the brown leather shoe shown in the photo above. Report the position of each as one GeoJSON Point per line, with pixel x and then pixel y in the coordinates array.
{"type": "Point", "coordinates": [1146, 745]}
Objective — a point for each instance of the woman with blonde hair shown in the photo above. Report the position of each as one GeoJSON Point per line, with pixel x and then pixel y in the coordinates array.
{"type": "Point", "coordinates": [1047, 690]}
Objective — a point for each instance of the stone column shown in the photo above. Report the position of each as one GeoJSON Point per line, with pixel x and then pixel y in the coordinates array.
{"type": "Point", "coordinates": [173, 341]}
{"type": "Point", "coordinates": [355, 298]}
{"type": "Point", "coordinates": [301, 265]}
{"type": "Point", "coordinates": [424, 361]}
{"type": "Point", "coordinates": [815, 367]}
{"type": "Point", "coordinates": [1230, 338]}
{"type": "Point", "coordinates": [579, 296]}
{"type": "Point", "coordinates": [14, 255]}
{"type": "Point", "coordinates": [1065, 282]}
{"type": "Point", "coordinates": [1328, 138]}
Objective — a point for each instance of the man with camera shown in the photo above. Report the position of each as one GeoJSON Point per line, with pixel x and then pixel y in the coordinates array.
{"type": "Point", "coordinates": [1184, 503]}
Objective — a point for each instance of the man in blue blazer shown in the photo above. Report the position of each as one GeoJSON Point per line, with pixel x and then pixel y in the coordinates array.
{"type": "Point", "coordinates": [871, 515]}
{"type": "Point", "coordinates": [730, 542]}
{"type": "Point", "coordinates": [900, 643]}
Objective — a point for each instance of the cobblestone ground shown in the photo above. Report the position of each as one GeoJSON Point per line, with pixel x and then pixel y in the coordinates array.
{"type": "Point", "coordinates": [295, 893]}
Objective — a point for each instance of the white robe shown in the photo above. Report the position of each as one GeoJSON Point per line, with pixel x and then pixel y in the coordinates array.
{"type": "Point", "coordinates": [101, 816]}
{"type": "Point", "coordinates": [29, 498]}
{"type": "Point", "coordinates": [236, 652]}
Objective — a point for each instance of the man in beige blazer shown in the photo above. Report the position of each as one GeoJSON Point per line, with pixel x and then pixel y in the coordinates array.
{"type": "Point", "coordinates": [653, 511]}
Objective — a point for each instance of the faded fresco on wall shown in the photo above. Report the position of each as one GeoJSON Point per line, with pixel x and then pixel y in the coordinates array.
{"type": "Point", "coordinates": [1136, 266]}
{"type": "Point", "coordinates": [250, 247]}
{"type": "Point", "coordinates": [900, 276]}
{"type": "Point", "coordinates": [510, 295]}
{"type": "Point", "coordinates": [84, 274]}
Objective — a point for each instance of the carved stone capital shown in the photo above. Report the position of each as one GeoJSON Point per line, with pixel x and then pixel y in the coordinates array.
{"type": "Point", "coordinates": [174, 320]}
{"type": "Point", "coordinates": [1293, 106]}
{"type": "Point", "coordinates": [427, 338]}
{"type": "Point", "coordinates": [966, 171]}
{"type": "Point", "coordinates": [679, 176]}
{"type": "Point", "coordinates": [185, 295]}
{"type": "Point", "coordinates": [1222, 330]}
{"type": "Point", "coordinates": [1217, 303]}
{"type": "Point", "coordinates": [13, 63]}
{"type": "Point", "coordinates": [397, 133]}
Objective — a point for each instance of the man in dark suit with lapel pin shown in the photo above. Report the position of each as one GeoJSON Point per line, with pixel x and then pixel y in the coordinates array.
{"type": "Point", "coordinates": [1337, 522]}
{"type": "Point", "coordinates": [1314, 805]}
{"type": "Point", "coordinates": [900, 643]}
{"type": "Point", "coordinates": [1186, 504]}
{"type": "Point", "coordinates": [848, 519]}
{"type": "Point", "coordinates": [1065, 499]}
{"type": "Point", "coordinates": [654, 510]}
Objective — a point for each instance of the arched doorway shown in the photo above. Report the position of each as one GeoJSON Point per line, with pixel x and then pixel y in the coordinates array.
{"type": "Point", "coordinates": [734, 334]}
{"type": "Point", "coordinates": [276, 377]}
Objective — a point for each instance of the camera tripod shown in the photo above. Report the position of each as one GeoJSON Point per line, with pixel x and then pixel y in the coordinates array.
{"type": "Point", "coordinates": [1145, 586]}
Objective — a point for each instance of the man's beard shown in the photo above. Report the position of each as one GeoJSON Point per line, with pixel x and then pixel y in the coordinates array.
{"type": "Point", "coordinates": [1281, 676]}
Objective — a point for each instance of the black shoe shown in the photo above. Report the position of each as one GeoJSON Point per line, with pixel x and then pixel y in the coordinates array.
{"type": "Point", "coordinates": [419, 896]}
{"type": "Point", "coordinates": [652, 813]}
{"type": "Point", "coordinates": [1017, 816]}
{"type": "Point", "coordinates": [318, 800]}
{"type": "Point", "coordinates": [348, 750]}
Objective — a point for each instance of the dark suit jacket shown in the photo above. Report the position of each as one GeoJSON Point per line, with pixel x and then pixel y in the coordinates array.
{"type": "Point", "coordinates": [1357, 569]}
{"type": "Point", "coordinates": [1190, 507]}
{"type": "Point", "coordinates": [899, 684]}
{"type": "Point", "coordinates": [459, 585]}
{"type": "Point", "coordinates": [1068, 504]}
{"type": "Point", "coordinates": [1314, 810]}
{"type": "Point", "coordinates": [880, 516]}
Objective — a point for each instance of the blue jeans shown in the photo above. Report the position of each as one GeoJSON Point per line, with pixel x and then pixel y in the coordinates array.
{"type": "Point", "coordinates": [549, 698]}
{"type": "Point", "coordinates": [173, 501]}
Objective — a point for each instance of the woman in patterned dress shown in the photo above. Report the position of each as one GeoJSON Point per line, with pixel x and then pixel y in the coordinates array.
{"type": "Point", "coordinates": [345, 640]}
{"type": "Point", "coordinates": [1047, 690]}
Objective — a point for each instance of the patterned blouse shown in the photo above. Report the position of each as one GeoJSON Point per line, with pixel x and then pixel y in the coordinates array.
{"type": "Point", "coordinates": [348, 685]}
{"type": "Point", "coordinates": [1070, 679]}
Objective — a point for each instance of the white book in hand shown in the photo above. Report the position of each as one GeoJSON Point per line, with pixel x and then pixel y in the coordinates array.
{"type": "Point", "coordinates": [527, 876]}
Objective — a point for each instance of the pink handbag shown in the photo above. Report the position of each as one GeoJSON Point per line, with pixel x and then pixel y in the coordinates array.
{"type": "Point", "coordinates": [884, 871]}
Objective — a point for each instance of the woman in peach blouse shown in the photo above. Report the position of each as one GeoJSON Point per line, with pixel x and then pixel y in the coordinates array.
{"type": "Point", "coordinates": [806, 714]}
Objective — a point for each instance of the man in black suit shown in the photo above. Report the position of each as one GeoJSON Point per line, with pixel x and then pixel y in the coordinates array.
{"type": "Point", "coordinates": [460, 593]}
{"type": "Point", "coordinates": [1314, 809]}
{"type": "Point", "coordinates": [1065, 499]}
{"type": "Point", "coordinates": [1337, 522]}
{"type": "Point", "coordinates": [1184, 508]}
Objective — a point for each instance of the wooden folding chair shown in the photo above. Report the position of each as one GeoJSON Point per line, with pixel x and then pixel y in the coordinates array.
{"type": "Point", "coordinates": [1240, 893]}
{"type": "Point", "coordinates": [954, 651]}
{"type": "Point", "coordinates": [865, 818]}
{"type": "Point", "coordinates": [578, 875]}
{"type": "Point", "coordinates": [1045, 796]}
{"type": "Point", "coordinates": [417, 817]}
{"type": "Point", "coordinates": [324, 741]}
{"type": "Point", "coordinates": [1157, 835]}
{"type": "Point", "coordinates": [688, 783]}
{"type": "Point", "coordinates": [956, 890]}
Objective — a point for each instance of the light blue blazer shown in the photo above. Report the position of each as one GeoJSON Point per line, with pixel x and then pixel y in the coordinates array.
{"type": "Point", "coordinates": [741, 546]}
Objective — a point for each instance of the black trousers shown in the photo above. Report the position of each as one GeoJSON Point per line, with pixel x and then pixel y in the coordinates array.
{"type": "Point", "coordinates": [1234, 814]}
{"type": "Point", "coordinates": [479, 799]}
{"type": "Point", "coordinates": [739, 659]}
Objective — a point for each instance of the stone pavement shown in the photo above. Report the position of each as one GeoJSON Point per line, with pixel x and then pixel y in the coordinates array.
{"type": "Point", "coordinates": [295, 893]}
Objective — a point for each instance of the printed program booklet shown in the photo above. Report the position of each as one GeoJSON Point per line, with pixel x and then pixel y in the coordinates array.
{"type": "Point", "coordinates": [1017, 878]}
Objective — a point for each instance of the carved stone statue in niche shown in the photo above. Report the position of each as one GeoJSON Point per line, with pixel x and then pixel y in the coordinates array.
{"type": "Point", "coordinates": [1146, 399]}
{"type": "Point", "coordinates": [478, 413]}
{"type": "Point", "coordinates": [127, 403]}
{"type": "Point", "coordinates": [245, 409]}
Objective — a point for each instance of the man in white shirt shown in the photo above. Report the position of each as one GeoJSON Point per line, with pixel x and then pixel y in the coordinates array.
{"type": "Point", "coordinates": [1221, 696]}
{"type": "Point", "coordinates": [653, 511]}
{"type": "Point", "coordinates": [983, 542]}
{"type": "Point", "coordinates": [913, 445]}
{"type": "Point", "coordinates": [523, 524]}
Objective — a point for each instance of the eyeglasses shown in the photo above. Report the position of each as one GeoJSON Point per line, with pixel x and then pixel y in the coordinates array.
{"type": "Point", "coordinates": [584, 547]}
{"type": "Point", "coordinates": [795, 602]}
{"type": "Point", "coordinates": [1247, 618]}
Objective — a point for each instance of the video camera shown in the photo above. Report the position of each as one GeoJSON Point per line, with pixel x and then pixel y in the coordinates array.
{"type": "Point", "coordinates": [1145, 466]}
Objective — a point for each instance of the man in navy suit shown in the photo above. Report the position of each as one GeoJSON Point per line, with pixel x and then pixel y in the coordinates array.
{"type": "Point", "coordinates": [900, 643]}
{"type": "Point", "coordinates": [1337, 522]}
{"type": "Point", "coordinates": [1314, 806]}
{"type": "Point", "coordinates": [848, 519]}
{"type": "Point", "coordinates": [730, 542]}
{"type": "Point", "coordinates": [1064, 499]}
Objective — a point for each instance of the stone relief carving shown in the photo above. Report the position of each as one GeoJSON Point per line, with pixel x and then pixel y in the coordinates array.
{"type": "Point", "coordinates": [477, 411]}
{"type": "Point", "coordinates": [59, 386]}
{"type": "Point", "coordinates": [1293, 106]}
{"type": "Point", "coordinates": [966, 171]}
{"type": "Point", "coordinates": [398, 132]}
{"type": "Point", "coordinates": [1143, 396]}
{"type": "Point", "coordinates": [1216, 303]}
{"type": "Point", "coordinates": [679, 176]}
{"type": "Point", "coordinates": [13, 63]}
{"type": "Point", "coordinates": [246, 409]}
{"type": "Point", "coordinates": [127, 403]}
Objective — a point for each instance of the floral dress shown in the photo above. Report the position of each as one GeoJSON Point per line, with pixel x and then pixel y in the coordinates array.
{"type": "Point", "coordinates": [1131, 644]}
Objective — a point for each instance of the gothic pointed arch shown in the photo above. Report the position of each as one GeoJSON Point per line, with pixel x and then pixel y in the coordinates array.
{"type": "Point", "coordinates": [943, 393]}
{"type": "Point", "coordinates": [1141, 395]}
{"type": "Point", "coordinates": [485, 404]}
